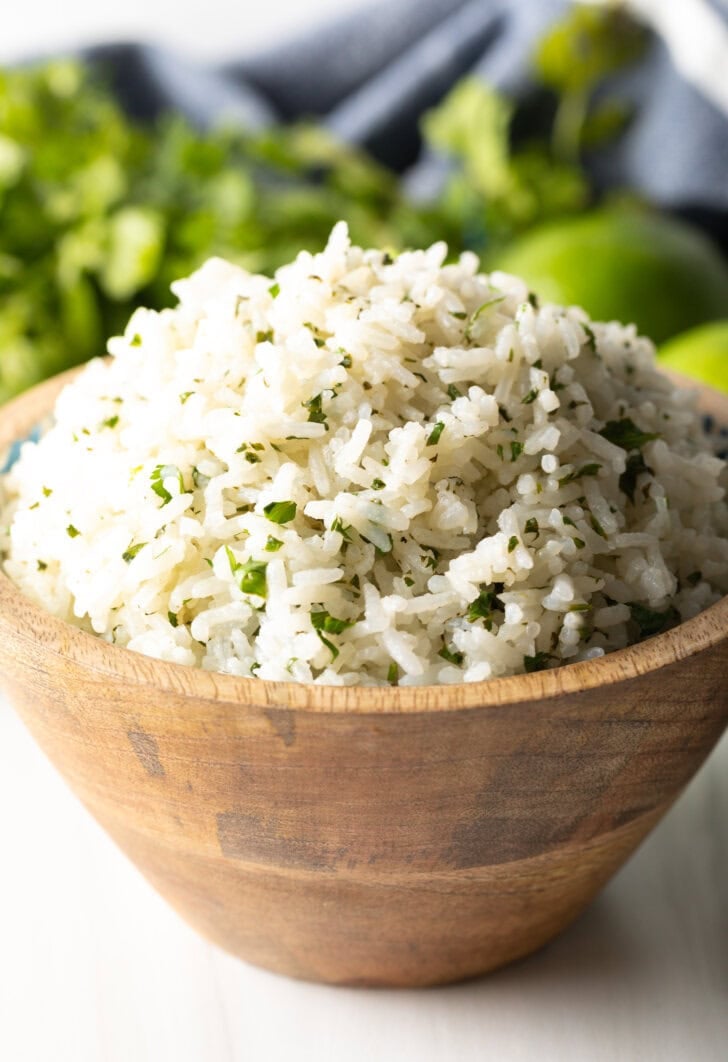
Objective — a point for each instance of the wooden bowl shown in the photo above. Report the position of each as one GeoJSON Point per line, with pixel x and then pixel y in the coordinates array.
{"type": "Point", "coordinates": [369, 836]}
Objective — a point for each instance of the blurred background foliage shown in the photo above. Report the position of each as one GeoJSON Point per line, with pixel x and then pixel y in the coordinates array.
{"type": "Point", "coordinates": [99, 214]}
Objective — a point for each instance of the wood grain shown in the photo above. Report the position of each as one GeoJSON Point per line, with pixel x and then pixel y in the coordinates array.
{"type": "Point", "coordinates": [369, 836]}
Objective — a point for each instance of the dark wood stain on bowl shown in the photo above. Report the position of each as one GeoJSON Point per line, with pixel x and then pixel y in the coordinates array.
{"type": "Point", "coordinates": [147, 752]}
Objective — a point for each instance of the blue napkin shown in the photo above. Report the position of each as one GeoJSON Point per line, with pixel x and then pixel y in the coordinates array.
{"type": "Point", "coordinates": [370, 76]}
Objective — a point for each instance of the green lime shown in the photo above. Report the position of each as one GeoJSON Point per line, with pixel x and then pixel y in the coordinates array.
{"type": "Point", "coordinates": [702, 353]}
{"type": "Point", "coordinates": [625, 264]}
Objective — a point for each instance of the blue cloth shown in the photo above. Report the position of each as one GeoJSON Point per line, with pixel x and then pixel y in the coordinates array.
{"type": "Point", "coordinates": [369, 76]}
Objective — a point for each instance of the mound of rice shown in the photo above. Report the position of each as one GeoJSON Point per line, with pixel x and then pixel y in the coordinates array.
{"type": "Point", "coordinates": [369, 471]}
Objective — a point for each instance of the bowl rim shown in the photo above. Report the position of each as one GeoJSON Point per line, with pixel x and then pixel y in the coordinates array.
{"type": "Point", "coordinates": [22, 622]}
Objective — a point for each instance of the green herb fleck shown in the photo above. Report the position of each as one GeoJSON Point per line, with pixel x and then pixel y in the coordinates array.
{"type": "Point", "coordinates": [264, 337]}
{"type": "Point", "coordinates": [530, 397]}
{"type": "Point", "coordinates": [342, 528]}
{"type": "Point", "coordinates": [185, 395]}
{"type": "Point", "coordinates": [591, 339]}
{"type": "Point", "coordinates": [136, 340]}
{"type": "Point", "coordinates": [536, 663]}
{"type": "Point", "coordinates": [110, 422]}
{"type": "Point", "coordinates": [324, 621]}
{"type": "Point", "coordinates": [452, 392]}
{"type": "Point", "coordinates": [316, 414]}
{"type": "Point", "coordinates": [512, 543]}
{"type": "Point", "coordinates": [273, 544]}
{"type": "Point", "coordinates": [393, 674]}
{"type": "Point", "coordinates": [596, 526]}
{"type": "Point", "coordinates": [378, 484]}
{"type": "Point", "coordinates": [591, 469]}
{"type": "Point", "coordinates": [172, 617]}
{"type": "Point", "coordinates": [634, 468]}
{"type": "Point", "coordinates": [274, 290]}
{"type": "Point", "coordinates": [159, 475]}
{"type": "Point", "coordinates": [131, 553]}
{"type": "Point", "coordinates": [626, 434]}
{"type": "Point", "coordinates": [280, 512]}
{"type": "Point", "coordinates": [483, 607]}
{"type": "Point", "coordinates": [531, 526]}
{"type": "Point", "coordinates": [694, 578]}
{"type": "Point", "coordinates": [451, 656]}
{"type": "Point", "coordinates": [251, 575]}
{"type": "Point", "coordinates": [651, 622]}
{"type": "Point", "coordinates": [72, 531]}
{"type": "Point", "coordinates": [434, 437]}
{"type": "Point", "coordinates": [516, 449]}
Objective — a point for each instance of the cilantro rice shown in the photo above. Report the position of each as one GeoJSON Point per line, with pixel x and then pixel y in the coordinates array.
{"type": "Point", "coordinates": [369, 471]}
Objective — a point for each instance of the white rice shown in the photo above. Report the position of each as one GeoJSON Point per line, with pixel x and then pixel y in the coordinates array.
{"type": "Point", "coordinates": [461, 506]}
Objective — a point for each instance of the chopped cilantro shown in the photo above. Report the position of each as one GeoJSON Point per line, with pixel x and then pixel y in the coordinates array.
{"type": "Point", "coordinates": [342, 528]}
{"type": "Point", "coordinates": [185, 395]}
{"type": "Point", "coordinates": [451, 656]}
{"type": "Point", "coordinates": [591, 339]}
{"type": "Point", "coordinates": [536, 663]}
{"type": "Point", "coordinates": [651, 622]}
{"type": "Point", "coordinates": [324, 621]}
{"type": "Point", "coordinates": [42, 565]}
{"type": "Point", "coordinates": [72, 531]}
{"type": "Point", "coordinates": [131, 553]}
{"type": "Point", "coordinates": [158, 477]}
{"type": "Point", "coordinates": [452, 392]}
{"type": "Point", "coordinates": [480, 310]}
{"type": "Point", "coordinates": [172, 617]}
{"type": "Point", "coordinates": [482, 608]}
{"type": "Point", "coordinates": [434, 437]}
{"type": "Point", "coordinates": [251, 575]}
{"type": "Point", "coordinates": [591, 469]}
{"type": "Point", "coordinates": [47, 491]}
{"type": "Point", "coordinates": [316, 414]}
{"type": "Point", "coordinates": [516, 449]}
{"type": "Point", "coordinates": [280, 512]}
{"type": "Point", "coordinates": [378, 484]}
{"type": "Point", "coordinates": [530, 397]}
{"type": "Point", "coordinates": [136, 340]}
{"type": "Point", "coordinates": [596, 526]}
{"type": "Point", "coordinates": [393, 674]}
{"type": "Point", "coordinates": [579, 543]}
{"type": "Point", "coordinates": [626, 434]}
{"type": "Point", "coordinates": [264, 337]}
{"type": "Point", "coordinates": [346, 361]}
{"type": "Point", "coordinates": [110, 422]}
{"type": "Point", "coordinates": [634, 468]}
{"type": "Point", "coordinates": [512, 543]}
{"type": "Point", "coordinates": [274, 290]}
{"type": "Point", "coordinates": [460, 314]}
{"type": "Point", "coordinates": [531, 526]}
{"type": "Point", "coordinates": [273, 544]}
{"type": "Point", "coordinates": [199, 478]}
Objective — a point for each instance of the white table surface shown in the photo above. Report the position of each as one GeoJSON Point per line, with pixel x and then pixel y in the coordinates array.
{"type": "Point", "coordinates": [94, 967]}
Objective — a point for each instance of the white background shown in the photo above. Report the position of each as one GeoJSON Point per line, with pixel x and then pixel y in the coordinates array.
{"type": "Point", "coordinates": [216, 28]}
{"type": "Point", "coordinates": [94, 967]}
